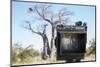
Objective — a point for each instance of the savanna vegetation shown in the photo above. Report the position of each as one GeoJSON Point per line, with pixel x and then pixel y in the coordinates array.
{"type": "Point", "coordinates": [91, 50]}
{"type": "Point", "coordinates": [23, 55]}
{"type": "Point", "coordinates": [29, 55]}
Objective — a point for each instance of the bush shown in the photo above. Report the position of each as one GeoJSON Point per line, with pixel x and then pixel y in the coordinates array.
{"type": "Point", "coordinates": [20, 54]}
{"type": "Point", "coordinates": [92, 49]}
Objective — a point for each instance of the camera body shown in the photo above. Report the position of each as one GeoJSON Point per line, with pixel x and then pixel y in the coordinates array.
{"type": "Point", "coordinates": [71, 42]}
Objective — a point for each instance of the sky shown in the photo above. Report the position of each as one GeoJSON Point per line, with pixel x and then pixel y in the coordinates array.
{"type": "Point", "coordinates": [20, 15]}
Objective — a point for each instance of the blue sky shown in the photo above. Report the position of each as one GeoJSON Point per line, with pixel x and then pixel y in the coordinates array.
{"type": "Point", "coordinates": [25, 37]}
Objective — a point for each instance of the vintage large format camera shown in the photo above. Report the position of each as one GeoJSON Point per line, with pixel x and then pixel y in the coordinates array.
{"type": "Point", "coordinates": [71, 42]}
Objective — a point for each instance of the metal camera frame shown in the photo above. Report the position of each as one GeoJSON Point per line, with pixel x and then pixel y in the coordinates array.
{"type": "Point", "coordinates": [70, 56]}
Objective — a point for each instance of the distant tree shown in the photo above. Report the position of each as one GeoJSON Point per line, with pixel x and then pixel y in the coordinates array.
{"type": "Point", "coordinates": [16, 50]}
{"type": "Point", "coordinates": [92, 48]}
{"type": "Point", "coordinates": [14, 55]}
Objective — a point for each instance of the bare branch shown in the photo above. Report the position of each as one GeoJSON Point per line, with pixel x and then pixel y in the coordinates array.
{"type": "Point", "coordinates": [29, 27]}
{"type": "Point", "coordinates": [44, 28]}
{"type": "Point", "coordinates": [42, 13]}
{"type": "Point", "coordinates": [48, 7]}
{"type": "Point", "coordinates": [62, 16]}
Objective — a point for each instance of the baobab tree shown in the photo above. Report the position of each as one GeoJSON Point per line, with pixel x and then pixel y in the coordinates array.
{"type": "Point", "coordinates": [46, 49]}
{"type": "Point", "coordinates": [45, 12]}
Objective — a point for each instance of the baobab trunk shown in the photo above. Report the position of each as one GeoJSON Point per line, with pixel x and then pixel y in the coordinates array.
{"type": "Point", "coordinates": [53, 40]}
{"type": "Point", "coordinates": [46, 48]}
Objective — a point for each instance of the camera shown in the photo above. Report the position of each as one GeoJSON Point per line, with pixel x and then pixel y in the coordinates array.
{"type": "Point", "coordinates": [71, 42]}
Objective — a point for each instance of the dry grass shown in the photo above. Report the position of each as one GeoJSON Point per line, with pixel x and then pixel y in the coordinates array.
{"type": "Point", "coordinates": [38, 60]}
{"type": "Point", "coordinates": [89, 58]}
